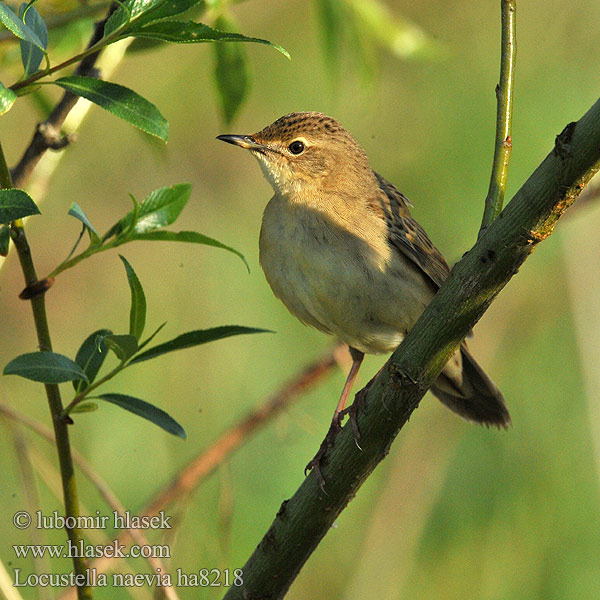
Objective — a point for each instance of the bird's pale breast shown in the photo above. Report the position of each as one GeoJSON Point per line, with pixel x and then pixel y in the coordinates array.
{"type": "Point", "coordinates": [340, 274]}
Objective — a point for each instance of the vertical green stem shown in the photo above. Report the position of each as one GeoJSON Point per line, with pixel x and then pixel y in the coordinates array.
{"type": "Point", "coordinates": [504, 95]}
{"type": "Point", "coordinates": [38, 306]}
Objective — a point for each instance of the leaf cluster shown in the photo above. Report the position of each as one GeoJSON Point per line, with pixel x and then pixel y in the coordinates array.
{"type": "Point", "coordinates": [150, 20]}
{"type": "Point", "coordinates": [144, 222]}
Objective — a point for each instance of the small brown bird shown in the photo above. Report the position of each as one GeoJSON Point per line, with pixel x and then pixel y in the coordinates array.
{"type": "Point", "coordinates": [339, 247]}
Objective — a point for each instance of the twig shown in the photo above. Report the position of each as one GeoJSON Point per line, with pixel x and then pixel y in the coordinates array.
{"type": "Point", "coordinates": [504, 96]}
{"type": "Point", "coordinates": [48, 134]}
{"type": "Point", "coordinates": [63, 445]}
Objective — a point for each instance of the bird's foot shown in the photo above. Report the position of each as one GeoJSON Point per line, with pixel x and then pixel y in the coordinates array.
{"type": "Point", "coordinates": [319, 459]}
{"type": "Point", "coordinates": [352, 412]}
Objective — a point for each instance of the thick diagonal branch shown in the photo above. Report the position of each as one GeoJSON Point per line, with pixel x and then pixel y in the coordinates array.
{"type": "Point", "coordinates": [302, 521]}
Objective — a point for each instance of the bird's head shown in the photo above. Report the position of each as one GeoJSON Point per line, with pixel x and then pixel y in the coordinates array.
{"type": "Point", "coordinates": [306, 152]}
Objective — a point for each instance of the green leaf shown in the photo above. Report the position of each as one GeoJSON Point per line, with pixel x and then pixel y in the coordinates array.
{"type": "Point", "coordinates": [124, 346]}
{"type": "Point", "coordinates": [31, 55]}
{"type": "Point", "coordinates": [188, 32]}
{"type": "Point", "coordinates": [90, 357]}
{"type": "Point", "coordinates": [147, 411]}
{"type": "Point", "coordinates": [16, 204]}
{"type": "Point", "coordinates": [195, 338]}
{"type": "Point", "coordinates": [332, 16]}
{"type": "Point", "coordinates": [135, 13]}
{"type": "Point", "coordinates": [144, 45]}
{"type": "Point", "coordinates": [4, 239]}
{"type": "Point", "coordinates": [186, 236]}
{"type": "Point", "coordinates": [121, 101]}
{"type": "Point", "coordinates": [127, 13]}
{"type": "Point", "coordinates": [137, 313]}
{"type": "Point", "coordinates": [151, 337]}
{"type": "Point", "coordinates": [164, 10]}
{"type": "Point", "coordinates": [10, 20]}
{"type": "Point", "coordinates": [84, 407]}
{"type": "Point", "coordinates": [231, 74]}
{"type": "Point", "coordinates": [76, 211]}
{"type": "Point", "coordinates": [162, 207]}
{"type": "Point", "coordinates": [45, 367]}
{"type": "Point", "coordinates": [7, 99]}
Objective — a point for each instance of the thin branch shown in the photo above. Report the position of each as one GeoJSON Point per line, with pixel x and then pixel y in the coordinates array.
{"type": "Point", "coordinates": [504, 96]}
{"type": "Point", "coordinates": [48, 134]}
{"type": "Point", "coordinates": [63, 444]}
{"type": "Point", "coordinates": [474, 282]}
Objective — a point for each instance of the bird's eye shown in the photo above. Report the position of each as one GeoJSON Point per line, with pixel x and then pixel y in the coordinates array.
{"type": "Point", "coordinates": [296, 147]}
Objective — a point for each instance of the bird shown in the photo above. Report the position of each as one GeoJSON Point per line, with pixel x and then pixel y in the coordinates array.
{"type": "Point", "coordinates": [340, 249]}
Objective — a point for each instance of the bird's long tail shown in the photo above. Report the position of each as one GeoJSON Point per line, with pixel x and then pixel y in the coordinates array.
{"type": "Point", "coordinates": [465, 388]}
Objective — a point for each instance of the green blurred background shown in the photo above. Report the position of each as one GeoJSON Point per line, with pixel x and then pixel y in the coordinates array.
{"type": "Point", "coordinates": [455, 511]}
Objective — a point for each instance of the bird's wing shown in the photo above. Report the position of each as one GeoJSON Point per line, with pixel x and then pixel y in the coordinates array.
{"type": "Point", "coordinates": [407, 236]}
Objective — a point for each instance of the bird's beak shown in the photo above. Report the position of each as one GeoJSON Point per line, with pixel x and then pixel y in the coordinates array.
{"type": "Point", "coordinates": [243, 141]}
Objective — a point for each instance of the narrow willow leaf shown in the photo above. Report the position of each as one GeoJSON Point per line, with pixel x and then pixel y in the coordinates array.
{"type": "Point", "coordinates": [135, 13]}
{"type": "Point", "coordinates": [332, 16]}
{"type": "Point", "coordinates": [4, 239]}
{"type": "Point", "coordinates": [10, 20]}
{"type": "Point", "coordinates": [143, 45]}
{"type": "Point", "coordinates": [195, 338]}
{"type": "Point", "coordinates": [124, 224]}
{"type": "Point", "coordinates": [162, 207]}
{"type": "Point", "coordinates": [16, 204]}
{"type": "Point", "coordinates": [137, 313]}
{"type": "Point", "coordinates": [76, 211]}
{"type": "Point", "coordinates": [164, 10]}
{"type": "Point", "coordinates": [31, 55]}
{"type": "Point", "coordinates": [188, 32]}
{"type": "Point", "coordinates": [124, 346]}
{"type": "Point", "coordinates": [147, 411]}
{"type": "Point", "coordinates": [186, 236]}
{"type": "Point", "coordinates": [90, 357]}
{"type": "Point", "coordinates": [45, 367]}
{"type": "Point", "coordinates": [151, 337]}
{"type": "Point", "coordinates": [231, 73]}
{"type": "Point", "coordinates": [120, 101]}
{"type": "Point", "coordinates": [84, 407]}
{"type": "Point", "coordinates": [127, 13]}
{"type": "Point", "coordinates": [7, 99]}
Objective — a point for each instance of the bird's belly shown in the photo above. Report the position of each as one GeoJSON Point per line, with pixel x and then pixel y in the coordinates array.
{"type": "Point", "coordinates": [340, 284]}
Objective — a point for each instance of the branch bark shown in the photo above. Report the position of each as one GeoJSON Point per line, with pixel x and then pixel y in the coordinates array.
{"type": "Point", "coordinates": [474, 282]}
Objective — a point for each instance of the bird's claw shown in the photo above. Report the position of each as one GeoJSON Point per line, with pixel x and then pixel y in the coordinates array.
{"type": "Point", "coordinates": [336, 426]}
{"type": "Point", "coordinates": [352, 412]}
{"type": "Point", "coordinates": [319, 458]}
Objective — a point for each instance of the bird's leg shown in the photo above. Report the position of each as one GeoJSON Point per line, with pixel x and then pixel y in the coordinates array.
{"type": "Point", "coordinates": [335, 427]}
{"type": "Point", "coordinates": [357, 358]}
{"type": "Point", "coordinates": [356, 406]}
